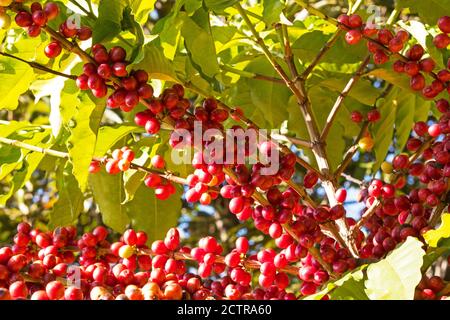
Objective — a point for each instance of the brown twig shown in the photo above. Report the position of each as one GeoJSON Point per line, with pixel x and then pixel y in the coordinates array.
{"type": "Point", "coordinates": [340, 100]}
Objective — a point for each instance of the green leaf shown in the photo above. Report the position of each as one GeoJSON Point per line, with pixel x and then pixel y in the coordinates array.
{"type": "Point", "coordinates": [309, 41]}
{"type": "Point", "coordinates": [349, 287]}
{"type": "Point", "coordinates": [396, 276]}
{"type": "Point", "coordinates": [109, 136]}
{"type": "Point", "coordinates": [108, 193]}
{"type": "Point", "coordinates": [22, 169]}
{"type": "Point", "coordinates": [156, 64]}
{"type": "Point", "coordinates": [200, 45]}
{"type": "Point", "coordinates": [271, 12]}
{"type": "Point", "coordinates": [383, 130]}
{"type": "Point", "coordinates": [152, 215]}
{"type": "Point", "coordinates": [429, 11]}
{"type": "Point", "coordinates": [133, 179]}
{"type": "Point", "coordinates": [108, 24]}
{"type": "Point", "coordinates": [433, 254]}
{"type": "Point", "coordinates": [70, 198]}
{"type": "Point", "coordinates": [219, 5]}
{"type": "Point", "coordinates": [84, 128]}
{"type": "Point", "coordinates": [392, 77]}
{"type": "Point", "coordinates": [19, 75]}
{"type": "Point", "coordinates": [142, 9]}
{"type": "Point", "coordinates": [404, 119]}
{"type": "Point", "coordinates": [432, 237]}
{"type": "Point", "coordinates": [363, 91]}
{"type": "Point", "coordinates": [268, 97]}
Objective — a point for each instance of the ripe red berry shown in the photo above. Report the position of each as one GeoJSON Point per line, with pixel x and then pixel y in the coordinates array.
{"type": "Point", "coordinates": [34, 30]}
{"type": "Point", "coordinates": [395, 45]}
{"type": "Point", "coordinates": [444, 24]}
{"type": "Point", "coordinates": [441, 41]}
{"type": "Point", "coordinates": [73, 293]}
{"type": "Point", "coordinates": [67, 30]}
{"type": "Point", "coordinates": [412, 68]}
{"type": "Point", "coordinates": [39, 18]}
{"type": "Point", "coordinates": [55, 290]}
{"type": "Point", "coordinates": [120, 69]}
{"type": "Point", "coordinates": [18, 290]}
{"type": "Point", "coordinates": [242, 245]}
{"type": "Point", "coordinates": [380, 57]}
{"type": "Point", "coordinates": [24, 19]}
{"type": "Point", "coordinates": [117, 54]}
{"type": "Point", "coordinates": [341, 195]}
{"type": "Point", "coordinates": [53, 49]}
{"type": "Point", "coordinates": [353, 37]}
{"type": "Point", "coordinates": [373, 115]}
{"type": "Point", "coordinates": [310, 179]}
{"type": "Point", "coordinates": [417, 82]}
{"type": "Point", "coordinates": [104, 71]}
{"type": "Point", "coordinates": [434, 130]}
{"type": "Point", "coordinates": [399, 66]}
{"type": "Point", "coordinates": [130, 237]}
{"type": "Point", "coordinates": [355, 21]}
{"type": "Point", "coordinates": [344, 20]}
{"type": "Point", "coordinates": [158, 162]}
{"type": "Point", "coordinates": [384, 36]}
{"type": "Point", "coordinates": [416, 52]}
{"type": "Point", "coordinates": [145, 91]}
{"type": "Point", "coordinates": [427, 65]}
{"type": "Point", "coordinates": [84, 33]}
{"type": "Point", "coordinates": [51, 9]}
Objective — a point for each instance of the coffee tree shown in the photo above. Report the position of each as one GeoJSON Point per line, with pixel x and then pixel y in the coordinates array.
{"type": "Point", "coordinates": [326, 131]}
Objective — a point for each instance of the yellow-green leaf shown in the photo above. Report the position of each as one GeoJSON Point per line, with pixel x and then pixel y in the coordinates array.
{"type": "Point", "coordinates": [396, 276]}
{"type": "Point", "coordinates": [432, 237]}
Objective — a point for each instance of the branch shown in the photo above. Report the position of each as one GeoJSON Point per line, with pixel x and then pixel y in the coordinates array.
{"type": "Point", "coordinates": [437, 212]}
{"type": "Point", "coordinates": [38, 66]}
{"type": "Point", "coordinates": [329, 44]}
{"type": "Point", "coordinates": [351, 151]}
{"type": "Point", "coordinates": [294, 140]}
{"type": "Point", "coordinates": [342, 96]}
{"type": "Point", "coordinates": [351, 179]}
{"type": "Point", "coordinates": [251, 75]}
{"type": "Point", "coordinates": [64, 155]}
{"type": "Point", "coordinates": [367, 214]}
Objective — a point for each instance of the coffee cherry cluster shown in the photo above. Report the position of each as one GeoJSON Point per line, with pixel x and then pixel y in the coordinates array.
{"type": "Point", "coordinates": [430, 288]}
{"type": "Point", "coordinates": [416, 67]}
{"type": "Point", "coordinates": [38, 17]}
{"type": "Point", "coordinates": [59, 266]}
{"type": "Point", "coordinates": [163, 187]}
{"type": "Point", "coordinates": [171, 105]}
{"type": "Point", "coordinates": [403, 215]}
{"type": "Point", "coordinates": [382, 38]}
{"type": "Point", "coordinates": [107, 65]}
{"type": "Point", "coordinates": [120, 161]}
{"type": "Point", "coordinates": [372, 116]}
{"type": "Point", "coordinates": [442, 40]}
{"type": "Point", "coordinates": [383, 42]}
